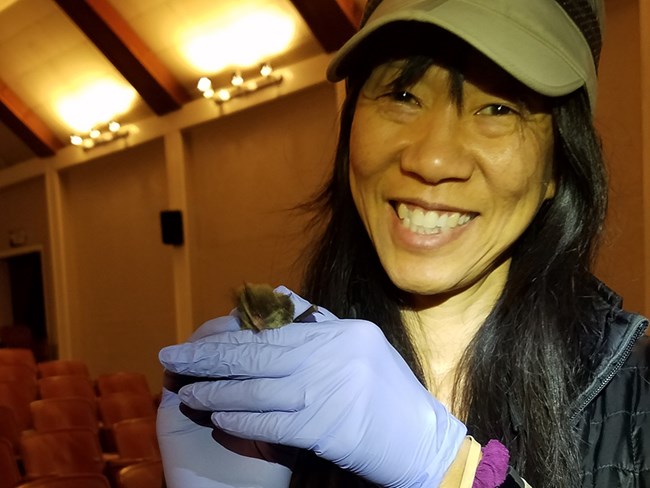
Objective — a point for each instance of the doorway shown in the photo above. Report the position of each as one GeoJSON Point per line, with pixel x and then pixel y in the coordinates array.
{"type": "Point", "coordinates": [22, 301]}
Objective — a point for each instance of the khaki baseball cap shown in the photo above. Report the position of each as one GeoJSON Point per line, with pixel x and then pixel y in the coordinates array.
{"type": "Point", "coordinates": [536, 41]}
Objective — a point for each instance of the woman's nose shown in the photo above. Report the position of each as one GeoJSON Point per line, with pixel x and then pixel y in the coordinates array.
{"type": "Point", "coordinates": [434, 150]}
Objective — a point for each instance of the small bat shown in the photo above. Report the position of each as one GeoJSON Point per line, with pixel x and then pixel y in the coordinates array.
{"type": "Point", "coordinates": [262, 308]}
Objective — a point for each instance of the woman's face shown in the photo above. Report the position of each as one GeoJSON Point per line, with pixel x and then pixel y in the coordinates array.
{"type": "Point", "coordinates": [445, 188]}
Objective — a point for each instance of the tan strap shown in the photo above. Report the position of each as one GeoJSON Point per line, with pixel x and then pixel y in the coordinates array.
{"type": "Point", "coordinates": [473, 458]}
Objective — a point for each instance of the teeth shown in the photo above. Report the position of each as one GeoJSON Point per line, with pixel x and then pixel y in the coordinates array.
{"type": "Point", "coordinates": [430, 219]}
{"type": "Point", "coordinates": [422, 222]}
{"type": "Point", "coordinates": [417, 217]}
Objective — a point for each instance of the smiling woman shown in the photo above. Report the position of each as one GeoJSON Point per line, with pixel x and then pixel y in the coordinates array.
{"type": "Point", "coordinates": [445, 184]}
{"type": "Point", "coordinates": [457, 234]}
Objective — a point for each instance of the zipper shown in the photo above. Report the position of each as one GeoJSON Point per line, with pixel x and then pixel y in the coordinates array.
{"type": "Point", "coordinates": [640, 328]}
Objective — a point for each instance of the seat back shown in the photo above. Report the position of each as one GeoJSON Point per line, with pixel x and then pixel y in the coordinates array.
{"type": "Point", "coordinates": [66, 386]}
{"type": "Point", "coordinates": [21, 355]}
{"type": "Point", "coordinates": [122, 406]}
{"type": "Point", "coordinates": [69, 481]}
{"type": "Point", "coordinates": [17, 395]}
{"type": "Point", "coordinates": [21, 377]}
{"type": "Point", "coordinates": [122, 382]}
{"type": "Point", "coordinates": [61, 452]}
{"type": "Point", "coordinates": [9, 472]}
{"type": "Point", "coordinates": [63, 367]}
{"type": "Point", "coordinates": [146, 474]}
{"type": "Point", "coordinates": [63, 413]}
{"type": "Point", "coordinates": [9, 429]}
{"type": "Point", "coordinates": [17, 372]}
{"type": "Point", "coordinates": [136, 438]}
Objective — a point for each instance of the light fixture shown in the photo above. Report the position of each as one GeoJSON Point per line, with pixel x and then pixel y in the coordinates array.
{"type": "Point", "coordinates": [114, 126]}
{"type": "Point", "coordinates": [238, 85]}
{"type": "Point", "coordinates": [266, 69]}
{"type": "Point", "coordinates": [100, 135]}
{"type": "Point", "coordinates": [237, 79]}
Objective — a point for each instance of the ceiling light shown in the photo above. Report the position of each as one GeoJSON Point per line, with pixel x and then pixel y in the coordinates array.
{"type": "Point", "coordinates": [76, 140]}
{"type": "Point", "coordinates": [266, 69]}
{"type": "Point", "coordinates": [237, 79]}
{"type": "Point", "coordinates": [239, 86]}
{"type": "Point", "coordinates": [100, 135]}
{"type": "Point", "coordinates": [204, 84]}
{"type": "Point", "coordinates": [224, 95]}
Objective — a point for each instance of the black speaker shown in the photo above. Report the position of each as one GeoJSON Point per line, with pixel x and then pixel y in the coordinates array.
{"type": "Point", "coordinates": [171, 226]}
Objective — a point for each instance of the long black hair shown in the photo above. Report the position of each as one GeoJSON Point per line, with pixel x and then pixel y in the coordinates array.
{"type": "Point", "coordinates": [524, 367]}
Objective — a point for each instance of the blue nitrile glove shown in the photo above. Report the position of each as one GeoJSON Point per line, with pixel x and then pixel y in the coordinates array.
{"type": "Point", "coordinates": [193, 459]}
{"type": "Point", "coordinates": [336, 387]}
{"type": "Point", "coordinates": [191, 456]}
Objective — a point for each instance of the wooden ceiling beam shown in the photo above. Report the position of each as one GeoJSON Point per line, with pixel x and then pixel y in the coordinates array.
{"type": "Point", "coordinates": [23, 122]}
{"type": "Point", "coordinates": [332, 22]}
{"type": "Point", "coordinates": [115, 38]}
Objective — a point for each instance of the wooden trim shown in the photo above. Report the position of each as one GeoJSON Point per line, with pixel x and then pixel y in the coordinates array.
{"type": "Point", "coordinates": [40, 139]}
{"type": "Point", "coordinates": [176, 167]}
{"type": "Point", "coordinates": [59, 298]}
{"type": "Point", "coordinates": [332, 22]}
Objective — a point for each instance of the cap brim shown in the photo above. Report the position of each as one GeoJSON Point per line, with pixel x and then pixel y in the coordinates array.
{"type": "Point", "coordinates": [537, 59]}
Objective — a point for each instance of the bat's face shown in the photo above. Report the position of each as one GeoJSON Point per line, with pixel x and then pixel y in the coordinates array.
{"type": "Point", "coordinates": [262, 308]}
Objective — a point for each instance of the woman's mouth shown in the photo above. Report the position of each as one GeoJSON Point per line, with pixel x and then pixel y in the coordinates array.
{"type": "Point", "coordinates": [430, 222]}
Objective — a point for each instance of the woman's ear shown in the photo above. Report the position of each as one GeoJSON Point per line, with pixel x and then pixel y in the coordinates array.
{"type": "Point", "coordinates": [550, 189]}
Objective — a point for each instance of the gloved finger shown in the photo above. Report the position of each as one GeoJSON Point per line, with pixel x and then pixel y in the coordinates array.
{"type": "Point", "coordinates": [255, 395]}
{"type": "Point", "coordinates": [301, 305]}
{"type": "Point", "coordinates": [289, 335]}
{"type": "Point", "coordinates": [228, 323]}
{"type": "Point", "coordinates": [225, 360]}
{"type": "Point", "coordinates": [271, 427]}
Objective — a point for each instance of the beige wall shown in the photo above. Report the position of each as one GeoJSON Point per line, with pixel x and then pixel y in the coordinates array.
{"type": "Point", "coordinates": [246, 172]}
{"type": "Point", "coordinates": [622, 259]}
{"type": "Point", "coordinates": [23, 207]}
{"type": "Point", "coordinates": [644, 17]}
{"type": "Point", "coordinates": [119, 272]}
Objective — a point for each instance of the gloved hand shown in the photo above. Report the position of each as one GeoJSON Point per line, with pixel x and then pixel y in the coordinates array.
{"type": "Point", "coordinates": [336, 387]}
{"type": "Point", "coordinates": [191, 455]}
{"type": "Point", "coordinates": [192, 458]}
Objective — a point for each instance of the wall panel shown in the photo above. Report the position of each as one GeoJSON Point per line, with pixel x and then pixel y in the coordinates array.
{"type": "Point", "coordinates": [120, 273]}
{"type": "Point", "coordinates": [621, 263]}
{"type": "Point", "coordinates": [246, 172]}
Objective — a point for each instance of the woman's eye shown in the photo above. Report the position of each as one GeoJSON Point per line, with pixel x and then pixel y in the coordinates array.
{"type": "Point", "coordinates": [402, 96]}
{"type": "Point", "coordinates": [497, 109]}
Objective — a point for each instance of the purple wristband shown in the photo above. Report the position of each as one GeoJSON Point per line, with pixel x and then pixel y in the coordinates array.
{"type": "Point", "coordinates": [493, 467]}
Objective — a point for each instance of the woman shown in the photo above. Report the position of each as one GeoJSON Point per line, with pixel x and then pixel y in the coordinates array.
{"type": "Point", "coordinates": [463, 214]}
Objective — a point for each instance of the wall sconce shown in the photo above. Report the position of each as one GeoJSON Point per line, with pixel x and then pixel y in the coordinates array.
{"type": "Point", "coordinates": [238, 85]}
{"type": "Point", "coordinates": [100, 135]}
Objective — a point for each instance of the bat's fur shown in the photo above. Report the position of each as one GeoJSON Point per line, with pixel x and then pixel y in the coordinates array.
{"type": "Point", "coordinates": [262, 308]}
